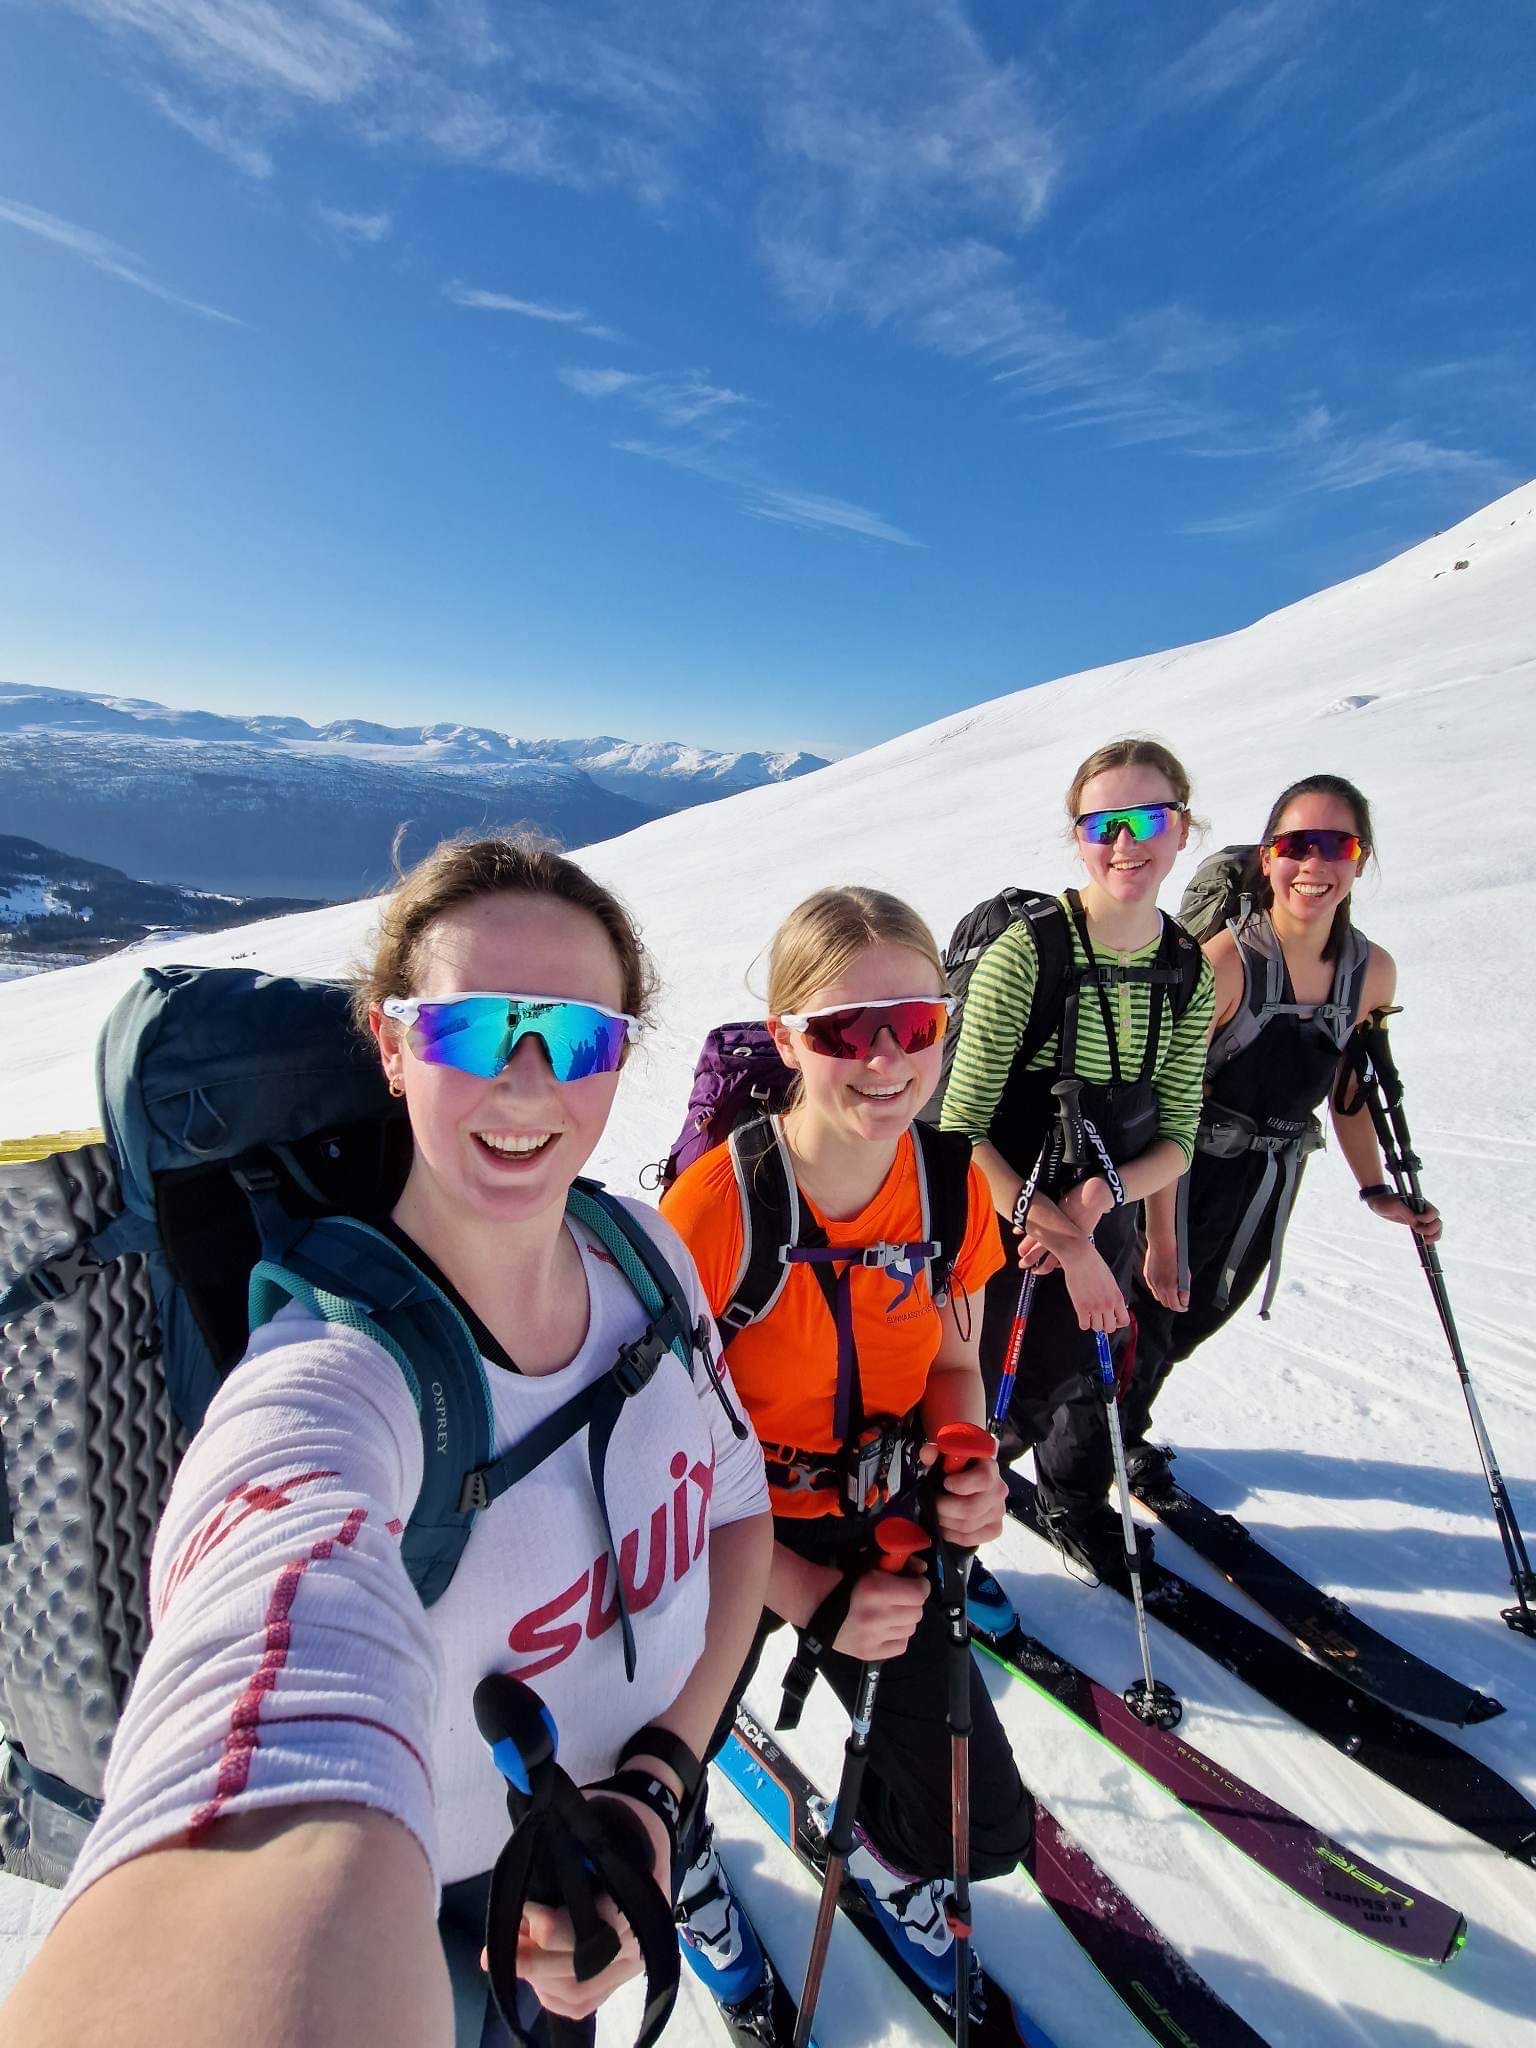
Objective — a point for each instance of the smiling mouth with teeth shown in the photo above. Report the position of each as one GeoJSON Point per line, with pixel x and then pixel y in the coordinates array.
{"type": "Point", "coordinates": [880, 1094]}
{"type": "Point", "coordinates": [513, 1148]}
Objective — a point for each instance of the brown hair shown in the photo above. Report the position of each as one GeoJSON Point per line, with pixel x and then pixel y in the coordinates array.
{"type": "Point", "coordinates": [1135, 750]}
{"type": "Point", "coordinates": [822, 936]}
{"type": "Point", "coordinates": [1347, 794]}
{"type": "Point", "coordinates": [462, 871]}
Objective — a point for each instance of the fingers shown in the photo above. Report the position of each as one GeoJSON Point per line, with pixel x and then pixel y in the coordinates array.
{"type": "Point", "coordinates": [546, 1965]}
{"type": "Point", "coordinates": [975, 1516]}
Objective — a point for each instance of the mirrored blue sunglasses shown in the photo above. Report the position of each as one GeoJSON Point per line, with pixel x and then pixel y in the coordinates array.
{"type": "Point", "coordinates": [478, 1033]}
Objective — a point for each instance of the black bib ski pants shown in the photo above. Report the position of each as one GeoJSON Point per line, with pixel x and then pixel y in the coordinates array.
{"type": "Point", "coordinates": [905, 1805]}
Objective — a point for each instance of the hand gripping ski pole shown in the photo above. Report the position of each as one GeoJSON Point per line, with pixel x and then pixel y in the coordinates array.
{"type": "Point", "coordinates": [1148, 1698]}
{"type": "Point", "coordinates": [566, 1850]}
{"type": "Point", "coordinates": [960, 1444]}
{"type": "Point", "coordinates": [898, 1540]}
{"type": "Point", "coordinates": [1369, 1060]}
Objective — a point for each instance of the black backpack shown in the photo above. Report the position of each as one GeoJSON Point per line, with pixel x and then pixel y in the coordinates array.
{"type": "Point", "coordinates": [1056, 976]}
{"type": "Point", "coordinates": [249, 1134]}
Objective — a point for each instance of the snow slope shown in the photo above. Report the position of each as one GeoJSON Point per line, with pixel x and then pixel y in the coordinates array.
{"type": "Point", "coordinates": [1338, 1427]}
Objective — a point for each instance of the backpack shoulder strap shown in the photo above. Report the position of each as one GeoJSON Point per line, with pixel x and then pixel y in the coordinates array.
{"type": "Point", "coordinates": [1047, 920]}
{"type": "Point", "coordinates": [1183, 953]}
{"type": "Point", "coordinates": [1263, 997]}
{"type": "Point", "coordinates": [1338, 1017]}
{"type": "Point", "coordinates": [770, 1221]}
{"type": "Point", "coordinates": [348, 1274]}
{"type": "Point", "coordinates": [642, 1262]}
{"type": "Point", "coordinates": [943, 1179]}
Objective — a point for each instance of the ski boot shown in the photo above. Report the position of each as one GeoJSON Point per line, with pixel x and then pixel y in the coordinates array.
{"type": "Point", "coordinates": [1094, 1539]}
{"type": "Point", "coordinates": [719, 1941]}
{"type": "Point", "coordinates": [914, 1917]}
{"type": "Point", "coordinates": [1149, 1467]}
{"type": "Point", "coordinates": [987, 1607]}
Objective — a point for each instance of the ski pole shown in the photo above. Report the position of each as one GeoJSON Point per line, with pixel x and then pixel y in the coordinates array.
{"type": "Point", "coordinates": [566, 1850]}
{"type": "Point", "coordinates": [1148, 1698]}
{"type": "Point", "coordinates": [1012, 1355]}
{"type": "Point", "coordinates": [960, 1443]}
{"type": "Point", "coordinates": [1044, 1177]}
{"type": "Point", "coordinates": [1381, 1085]}
{"type": "Point", "coordinates": [898, 1540]}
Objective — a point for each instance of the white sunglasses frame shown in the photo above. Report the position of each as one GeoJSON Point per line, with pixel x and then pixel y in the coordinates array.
{"type": "Point", "coordinates": [797, 1020]}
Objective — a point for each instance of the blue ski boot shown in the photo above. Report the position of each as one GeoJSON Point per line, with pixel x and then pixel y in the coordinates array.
{"type": "Point", "coordinates": [719, 1941]}
{"type": "Point", "coordinates": [987, 1607]}
{"type": "Point", "coordinates": [913, 1915]}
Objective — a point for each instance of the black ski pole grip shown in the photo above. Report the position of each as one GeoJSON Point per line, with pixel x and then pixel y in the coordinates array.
{"type": "Point", "coordinates": [518, 1729]}
{"type": "Point", "coordinates": [1067, 1091]}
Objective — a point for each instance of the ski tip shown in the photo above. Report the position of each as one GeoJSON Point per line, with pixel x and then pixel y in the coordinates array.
{"type": "Point", "coordinates": [1458, 1941]}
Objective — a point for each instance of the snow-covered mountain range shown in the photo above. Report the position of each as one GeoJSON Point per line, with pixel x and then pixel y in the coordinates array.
{"type": "Point", "coordinates": [273, 805]}
{"type": "Point", "coordinates": [1336, 1430]}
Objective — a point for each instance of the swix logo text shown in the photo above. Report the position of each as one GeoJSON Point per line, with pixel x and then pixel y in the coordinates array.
{"type": "Point", "coordinates": [673, 1542]}
{"type": "Point", "coordinates": [253, 1497]}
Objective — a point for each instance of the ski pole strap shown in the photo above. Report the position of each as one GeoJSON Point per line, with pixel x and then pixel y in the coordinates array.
{"type": "Point", "coordinates": [815, 1639]}
{"type": "Point", "coordinates": [568, 1851]}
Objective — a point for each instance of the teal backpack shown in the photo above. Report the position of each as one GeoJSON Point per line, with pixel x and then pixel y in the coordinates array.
{"type": "Point", "coordinates": [248, 1133]}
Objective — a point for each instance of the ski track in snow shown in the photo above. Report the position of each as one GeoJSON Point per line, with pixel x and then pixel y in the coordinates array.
{"type": "Point", "coordinates": [1337, 1428]}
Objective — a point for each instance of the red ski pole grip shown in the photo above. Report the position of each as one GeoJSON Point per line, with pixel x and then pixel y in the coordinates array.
{"type": "Point", "coordinates": [960, 1443]}
{"type": "Point", "coordinates": [897, 1539]}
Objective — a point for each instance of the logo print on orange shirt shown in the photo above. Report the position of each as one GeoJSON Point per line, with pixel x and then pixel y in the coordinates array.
{"type": "Point", "coordinates": [904, 1272]}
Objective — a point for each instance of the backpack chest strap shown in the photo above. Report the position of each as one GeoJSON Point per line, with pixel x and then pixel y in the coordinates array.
{"type": "Point", "coordinates": [848, 1402]}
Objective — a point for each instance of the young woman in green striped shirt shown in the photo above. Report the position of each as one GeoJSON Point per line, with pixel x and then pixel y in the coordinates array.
{"type": "Point", "coordinates": [1138, 1046]}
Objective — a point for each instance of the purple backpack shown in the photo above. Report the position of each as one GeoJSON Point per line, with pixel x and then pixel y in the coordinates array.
{"type": "Point", "coordinates": [739, 1075]}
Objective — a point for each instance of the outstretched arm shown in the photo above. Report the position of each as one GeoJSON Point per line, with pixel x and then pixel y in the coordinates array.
{"type": "Point", "coordinates": [310, 1926]}
{"type": "Point", "coordinates": [261, 1867]}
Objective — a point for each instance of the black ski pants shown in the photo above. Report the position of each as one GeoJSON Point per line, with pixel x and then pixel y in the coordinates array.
{"type": "Point", "coordinates": [1219, 1194]}
{"type": "Point", "coordinates": [905, 1805]}
{"type": "Point", "coordinates": [1058, 1401]}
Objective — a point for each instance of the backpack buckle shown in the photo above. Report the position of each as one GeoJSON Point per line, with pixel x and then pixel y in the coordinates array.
{"type": "Point", "coordinates": [474, 1494]}
{"type": "Point", "coordinates": [883, 1254]}
{"type": "Point", "coordinates": [63, 1273]}
{"type": "Point", "coordinates": [637, 1361]}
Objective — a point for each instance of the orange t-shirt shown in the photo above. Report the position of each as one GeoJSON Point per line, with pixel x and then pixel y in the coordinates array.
{"type": "Point", "coordinates": [785, 1366]}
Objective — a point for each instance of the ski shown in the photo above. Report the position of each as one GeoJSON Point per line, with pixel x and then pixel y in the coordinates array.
{"type": "Point", "coordinates": [1320, 1870]}
{"type": "Point", "coordinates": [1417, 1760]}
{"type": "Point", "coordinates": [1333, 1634]}
{"type": "Point", "coordinates": [1174, 2005]}
{"type": "Point", "coordinates": [791, 1805]}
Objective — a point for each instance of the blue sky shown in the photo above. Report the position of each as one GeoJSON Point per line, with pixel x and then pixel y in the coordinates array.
{"type": "Point", "coordinates": [781, 374]}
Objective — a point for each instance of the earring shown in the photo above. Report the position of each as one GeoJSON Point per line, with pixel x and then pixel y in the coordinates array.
{"type": "Point", "coordinates": [396, 1085]}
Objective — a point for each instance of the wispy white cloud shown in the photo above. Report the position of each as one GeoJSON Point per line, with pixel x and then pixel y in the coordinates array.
{"type": "Point", "coordinates": [530, 91]}
{"type": "Point", "coordinates": [1346, 461]}
{"type": "Point", "coordinates": [1231, 522]}
{"type": "Point", "coordinates": [684, 399]}
{"type": "Point", "coordinates": [325, 51]}
{"type": "Point", "coordinates": [1233, 52]}
{"type": "Point", "coordinates": [810, 509]}
{"type": "Point", "coordinates": [1435, 162]}
{"type": "Point", "coordinates": [357, 227]}
{"type": "Point", "coordinates": [598, 383]}
{"type": "Point", "coordinates": [102, 255]}
{"type": "Point", "coordinates": [215, 132]}
{"type": "Point", "coordinates": [762, 497]}
{"type": "Point", "coordinates": [478, 301]}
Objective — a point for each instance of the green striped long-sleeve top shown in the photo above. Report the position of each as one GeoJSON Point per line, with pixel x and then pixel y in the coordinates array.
{"type": "Point", "coordinates": [997, 1010]}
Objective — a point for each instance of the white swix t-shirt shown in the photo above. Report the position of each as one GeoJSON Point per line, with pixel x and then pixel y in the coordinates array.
{"type": "Point", "coordinates": [291, 1658]}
